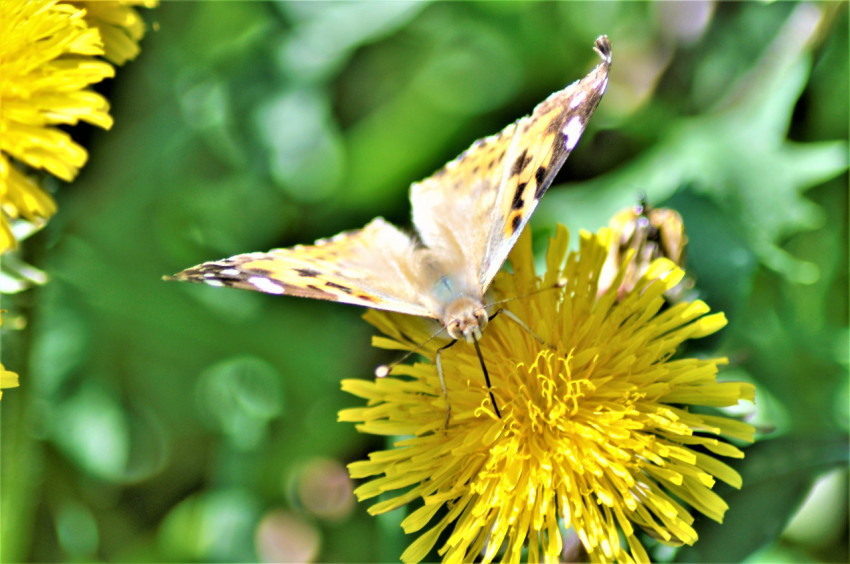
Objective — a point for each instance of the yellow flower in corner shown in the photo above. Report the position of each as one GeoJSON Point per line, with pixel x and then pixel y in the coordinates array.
{"type": "Point", "coordinates": [121, 27]}
{"type": "Point", "coordinates": [46, 66]}
{"type": "Point", "coordinates": [595, 435]}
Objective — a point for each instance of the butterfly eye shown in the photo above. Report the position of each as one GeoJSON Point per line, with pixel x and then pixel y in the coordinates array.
{"type": "Point", "coordinates": [454, 331]}
{"type": "Point", "coordinates": [482, 317]}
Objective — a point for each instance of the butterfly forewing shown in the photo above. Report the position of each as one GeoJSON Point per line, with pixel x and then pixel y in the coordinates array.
{"type": "Point", "coordinates": [542, 142]}
{"type": "Point", "coordinates": [476, 206]}
{"type": "Point", "coordinates": [372, 267]}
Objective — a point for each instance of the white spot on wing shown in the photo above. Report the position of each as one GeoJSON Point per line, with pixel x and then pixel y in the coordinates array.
{"type": "Point", "coordinates": [265, 285]}
{"type": "Point", "coordinates": [229, 272]}
{"type": "Point", "coordinates": [572, 132]}
{"type": "Point", "coordinates": [216, 283]}
{"type": "Point", "coordinates": [578, 99]}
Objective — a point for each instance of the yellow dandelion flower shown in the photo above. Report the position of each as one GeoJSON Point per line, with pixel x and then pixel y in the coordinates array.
{"type": "Point", "coordinates": [595, 432]}
{"type": "Point", "coordinates": [46, 66]}
{"type": "Point", "coordinates": [121, 27]}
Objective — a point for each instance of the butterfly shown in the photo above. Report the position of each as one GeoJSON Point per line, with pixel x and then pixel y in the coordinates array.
{"type": "Point", "coordinates": [468, 215]}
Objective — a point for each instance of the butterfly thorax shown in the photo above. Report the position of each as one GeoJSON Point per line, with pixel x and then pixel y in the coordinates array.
{"type": "Point", "coordinates": [455, 296]}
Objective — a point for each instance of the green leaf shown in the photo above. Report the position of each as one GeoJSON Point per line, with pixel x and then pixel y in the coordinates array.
{"type": "Point", "coordinates": [777, 475]}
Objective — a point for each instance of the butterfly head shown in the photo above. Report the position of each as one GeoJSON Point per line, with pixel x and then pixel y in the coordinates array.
{"type": "Point", "coordinates": [465, 318]}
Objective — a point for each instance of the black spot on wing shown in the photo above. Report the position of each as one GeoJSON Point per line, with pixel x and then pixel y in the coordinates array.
{"type": "Point", "coordinates": [542, 184]}
{"type": "Point", "coordinates": [254, 271]}
{"type": "Point", "coordinates": [518, 202]}
{"type": "Point", "coordinates": [515, 223]}
{"type": "Point", "coordinates": [540, 175]}
{"type": "Point", "coordinates": [520, 163]}
{"type": "Point", "coordinates": [339, 287]}
{"type": "Point", "coordinates": [366, 298]}
{"type": "Point", "coordinates": [307, 272]}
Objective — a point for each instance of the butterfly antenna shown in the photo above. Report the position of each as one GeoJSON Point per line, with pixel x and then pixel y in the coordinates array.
{"type": "Point", "coordinates": [384, 369]}
{"type": "Point", "coordinates": [486, 377]}
{"type": "Point", "coordinates": [562, 282]}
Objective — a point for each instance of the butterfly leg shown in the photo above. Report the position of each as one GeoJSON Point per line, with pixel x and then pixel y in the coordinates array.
{"type": "Point", "coordinates": [443, 381]}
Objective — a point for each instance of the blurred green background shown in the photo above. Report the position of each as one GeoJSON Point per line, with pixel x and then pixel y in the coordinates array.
{"type": "Point", "coordinates": [172, 422]}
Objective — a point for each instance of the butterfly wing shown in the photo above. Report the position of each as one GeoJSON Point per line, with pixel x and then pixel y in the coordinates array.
{"type": "Point", "coordinates": [469, 215]}
{"type": "Point", "coordinates": [476, 206]}
{"type": "Point", "coordinates": [372, 267]}
{"type": "Point", "coordinates": [544, 141]}
{"type": "Point", "coordinates": [453, 208]}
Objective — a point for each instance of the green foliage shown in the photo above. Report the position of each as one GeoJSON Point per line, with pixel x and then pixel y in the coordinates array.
{"type": "Point", "coordinates": [165, 422]}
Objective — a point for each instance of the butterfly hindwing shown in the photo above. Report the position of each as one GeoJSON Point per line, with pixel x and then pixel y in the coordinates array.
{"type": "Point", "coordinates": [372, 267]}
